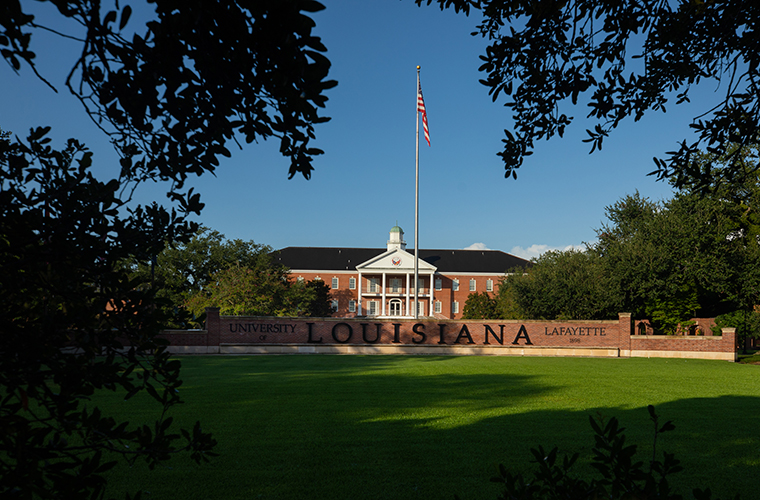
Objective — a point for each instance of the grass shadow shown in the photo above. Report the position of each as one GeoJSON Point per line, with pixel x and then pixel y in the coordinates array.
{"type": "Point", "coordinates": [399, 427]}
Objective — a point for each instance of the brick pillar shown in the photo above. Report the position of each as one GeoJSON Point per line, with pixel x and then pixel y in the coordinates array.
{"type": "Point", "coordinates": [213, 330]}
{"type": "Point", "coordinates": [625, 329]}
{"type": "Point", "coordinates": [729, 337]}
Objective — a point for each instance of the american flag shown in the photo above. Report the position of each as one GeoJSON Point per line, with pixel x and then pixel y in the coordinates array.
{"type": "Point", "coordinates": [421, 109]}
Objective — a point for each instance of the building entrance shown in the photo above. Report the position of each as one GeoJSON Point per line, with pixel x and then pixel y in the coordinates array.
{"type": "Point", "coordinates": [396, 308]}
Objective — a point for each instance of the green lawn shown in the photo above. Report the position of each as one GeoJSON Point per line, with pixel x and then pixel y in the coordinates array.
{"type": "Point", "coordinates": [393, 427]}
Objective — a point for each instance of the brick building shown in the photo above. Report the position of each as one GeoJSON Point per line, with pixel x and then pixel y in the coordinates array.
{"type": "Point", "coordinates": [378, 283]}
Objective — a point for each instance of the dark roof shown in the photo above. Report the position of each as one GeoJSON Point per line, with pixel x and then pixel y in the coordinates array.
{"type": "Point", "coordinates": [447, 261]}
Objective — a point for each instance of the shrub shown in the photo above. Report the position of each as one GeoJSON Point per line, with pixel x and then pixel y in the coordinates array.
{"type": "Point", "coordinates": [747, 323]}
{"type": "Point", "coordinates": [620, 475]}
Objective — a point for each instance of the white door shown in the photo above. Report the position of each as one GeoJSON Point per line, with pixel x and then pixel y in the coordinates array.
{"type": "Point", "coordinates": [395, 307]}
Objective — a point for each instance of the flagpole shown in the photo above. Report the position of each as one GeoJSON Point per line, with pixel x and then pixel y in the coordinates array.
{"type": "Point", "coordinates": [417, 202]}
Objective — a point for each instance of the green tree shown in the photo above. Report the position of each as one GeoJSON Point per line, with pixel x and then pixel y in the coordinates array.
{"type": "Point", "coordinates": [622, 59]}
{"type": "Point", "coordinates": [480, 306]}
{"type": "Point", "coordinates": [680, 258]}
{"type": "Point", "coordinates": [73, 323]}
{"type": "Point", "coordinates": [183, 269]}
{"type": "Point", "coordinates": [747, 324]}
{"type": "Point", "coordinates": [309, 298]}
{"type": "Point", "coordinates": [506, 297]}
{"type": "Point", "coordinates": [264, 290]}
{"type": "Point", "coordinates": [562, 285]}
{"type": "Point", "coordinates": [171, 95]}
{"type": "Point", "coordinates": [240, 290]}
{"type": "Point", "coordinates": [736, 186]}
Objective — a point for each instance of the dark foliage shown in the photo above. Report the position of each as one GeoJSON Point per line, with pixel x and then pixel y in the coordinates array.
{"type": "Point", "coordinates": [619, 475]}
{"type": "Point", "coordinates": [182, 270]}
{"type": "Point", "coordinates": [73, 323]}
{"type": "Point", "coordinates": [623, 59]}
{"type": "Point", "coordinates": [480, 306]}
{"type": "Point", "coordinates": [562, 285]}
{"type": "Point", "coordinates": [173, 93]}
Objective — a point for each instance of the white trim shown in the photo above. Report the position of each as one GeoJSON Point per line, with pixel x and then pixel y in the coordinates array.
{"type": "Point", "coordinates": [371, 303]}
{"type": "Point", "coordinates": [382, 262]}
{"type": "Point", "coordinates": [447, 274]}
{"type": "Point", "coordinates": [400, 307]}
{"type": "Point", "coordinates": [321, 271]}
{"type": "Point", "coordinates": [400, 271]}
{"type": "Point", "coordinates": [432, 292]}
{"type": "Point", "coordinates": [408, 297]}
{"type": "Point", "coordinates": [382, 308]}
{"type": "Point", "coordinates": [359, 295]}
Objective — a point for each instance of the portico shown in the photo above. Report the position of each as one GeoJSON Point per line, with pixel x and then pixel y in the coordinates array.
{"type": "Point", "coordinates": [386, 282]}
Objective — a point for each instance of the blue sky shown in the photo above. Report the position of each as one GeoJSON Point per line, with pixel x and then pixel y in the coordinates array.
{"type": "Point", "coordinates": [364, 183]}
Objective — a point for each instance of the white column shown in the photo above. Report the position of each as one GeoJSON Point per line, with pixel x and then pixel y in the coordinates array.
{"type": "Point", "coordinates": [359, 295]}
{"type": "Point", "coordinates": [382, 309]}
{"type": "Point", "coordinates": [432, 294]}
{"type": "Point", "coordinates": [408, 311]}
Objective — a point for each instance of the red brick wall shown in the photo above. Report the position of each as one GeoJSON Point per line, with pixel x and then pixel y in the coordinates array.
{"type": "Point", "coordinates": [191, 338]}
{"type": "Point", "coordinates": [369, 331]}
{"type": "Point", "coordinates": [254, 330]}
{"type": "Point", "coordinates": [708, 343]}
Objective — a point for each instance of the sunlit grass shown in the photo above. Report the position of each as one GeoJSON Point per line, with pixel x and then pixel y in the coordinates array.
{"type": "Point", "coordinates": [389, 427]}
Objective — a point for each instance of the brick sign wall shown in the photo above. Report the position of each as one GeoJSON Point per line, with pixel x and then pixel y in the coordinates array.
{"type": "Point", "coordinates": [232, 330]}
{"type": "Point", "coordinates": [244, 334]}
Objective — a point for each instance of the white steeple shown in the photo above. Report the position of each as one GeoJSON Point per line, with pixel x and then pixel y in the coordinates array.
{"type": "Point", "coordinates": [397, 239]}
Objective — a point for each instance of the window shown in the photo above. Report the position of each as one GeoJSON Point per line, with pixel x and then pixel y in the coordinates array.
{"type": "Point", "coordinates": [352, 306]}
{"type": "Point", "coordinates": [472, 285]}
{"type": "Point", "coordinates": [334, 305]}
{"type": "Point", "coordinates": [420, 283]}
{"type": "Point", "coordinates": [395, 307]}
{"type": "Point", "coordinates": [372, 308]}
{"type": "Point", "coordinates": [455, 307]}
{"type": "Point", "coordinates": [395, 285]}
{"type": "Point", "coordinates": [420, 308]}
{"type": "Point", "coordinates": [352, 283]}
{"type": "Point", "coordinates": [438, 306]}
{"type": "Point", "coordinates": [489, 286]}
{"type": "Point", "coordinates": [455, 285]}
{"type": "Point", "coordinates": [438, 284]}
{"type": "Point", "coordinates": [299, 279]}
{"type": "Point", "coordinates": [373, 285]}
{"type": "Point", "coordinates": [335, 283]}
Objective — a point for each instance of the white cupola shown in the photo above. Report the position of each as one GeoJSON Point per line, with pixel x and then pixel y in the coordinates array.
{"type": "Point", "coordinates": [397, 239]}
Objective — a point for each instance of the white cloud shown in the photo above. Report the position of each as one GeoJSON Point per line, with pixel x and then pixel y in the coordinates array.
{"type": "Point", "coordinates": [538, 250]}
{"type": "Point", "coordinates": [477, 246]}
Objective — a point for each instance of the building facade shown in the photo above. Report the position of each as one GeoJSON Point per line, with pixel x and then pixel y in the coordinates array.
{"type": "Point", "coordinates": [372, 282]}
